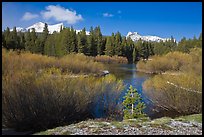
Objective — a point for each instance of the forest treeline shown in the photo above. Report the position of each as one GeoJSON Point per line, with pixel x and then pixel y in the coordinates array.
{"type": "Point", "coordinates": [68, 41]}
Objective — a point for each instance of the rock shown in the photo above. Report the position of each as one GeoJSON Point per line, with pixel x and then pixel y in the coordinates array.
{"type": "Point", "coordinates": [106, 72]}
{"type": "Point", "coordinates": [94, 127]}
{"type": "Point", "coordinates": [102, 73]}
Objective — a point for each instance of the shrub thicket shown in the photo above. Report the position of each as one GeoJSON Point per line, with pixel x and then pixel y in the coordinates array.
{"type": "Point", "coordinates": [49, 98]}
{"type": "Point", "coordinates": [182, 92]}
{"type": "Point", "coordinates": [173, 61]}
{"type": "Point", "coordinates": [72, 63]}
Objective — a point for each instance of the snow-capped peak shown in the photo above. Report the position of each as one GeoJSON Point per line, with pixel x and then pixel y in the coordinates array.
{"type": "Point", "coordinates": [135, 37]}
{"type": "Point", "coordinates": [55, 27]}
{"type": "Point", "coordinates": [39, 26]}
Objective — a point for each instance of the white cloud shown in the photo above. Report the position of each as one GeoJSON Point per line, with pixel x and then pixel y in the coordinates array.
{"type": "Point", "coordinates": [29, 16]}
{"type": "Point", "coordinates": [61, 14]}
{"type": "Point", "coordinates": [107, 15]}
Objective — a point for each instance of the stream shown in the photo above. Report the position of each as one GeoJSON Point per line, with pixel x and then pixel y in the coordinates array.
{"type": "Point", "coordinates": [130, 76]}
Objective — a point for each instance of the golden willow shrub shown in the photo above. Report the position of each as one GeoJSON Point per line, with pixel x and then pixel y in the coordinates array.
{"type": "Point", "coordinates": [195, 66]}
{"type": "Point", "coordinates": [37, 102]}
{"type": "Point", "coordinates": [173, 61]}
{"type": "Point", "coordinates": [79, 63]}
{"type": "Point", "coordinates": [108, 59]}
{"type": "Point", "coordinates": [74, 63]}
{"type": "Point", "coordinates": [181, 93]}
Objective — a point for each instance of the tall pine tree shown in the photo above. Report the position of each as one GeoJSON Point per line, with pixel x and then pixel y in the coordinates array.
{"type": "Point", "coordinates": [109, 47]}
{"type": "Point", "coordinates": [92, 48]}
{"type": "Point", "coordinates": [73, 40]}
{"type": "Point", "coordinates": [118, 44]}
{"type": "Point", "coordinates": [99, 41]}
{"type": "Point", "coordinates": [44, 38]}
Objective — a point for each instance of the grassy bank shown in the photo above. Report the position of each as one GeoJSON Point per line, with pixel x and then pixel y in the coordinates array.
{"type": "Point", "coordinates": [184, 125]}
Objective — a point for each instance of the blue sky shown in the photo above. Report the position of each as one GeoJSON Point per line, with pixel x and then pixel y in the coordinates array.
{"type": "Point", "coordinates": [163, 19]}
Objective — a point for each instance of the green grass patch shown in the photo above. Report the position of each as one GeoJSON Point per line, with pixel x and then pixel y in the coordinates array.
{"type": "Point", "coordinates": [161, 121]}
{"type": "Point", "coordinates": [194, 117]}
{"type": "Point", "coordinates": [117, 124]}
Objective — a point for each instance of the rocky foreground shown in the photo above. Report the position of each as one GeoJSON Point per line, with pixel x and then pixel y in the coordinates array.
{"type": "Point", "coordinates": [186, 125]}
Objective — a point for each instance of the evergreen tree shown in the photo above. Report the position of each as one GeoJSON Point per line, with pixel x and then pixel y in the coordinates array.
{"type": "Point", "coordinates": [14, 40]}
{"type": "Point", "coordinates": [92, 48]}
{"type": "Point", "coordinates": [82, 41]}
{"type": "Point", "coordinates": [147, 50]}
{"type": "Point", "coordinates": [129, 49]}
{"type": "Point", "coordinates": [65, 40]}
{"type": "Point", "coordinates": [134, 54]}
{"type": "Point", "coordinates": [61, 28]}
{"type": "Point", "coordinates": [171, 44]}
{"type": "Point", "coordinates": [103, 45]}
{"type": "Point", "coordinates": [8, 41]}
{"type": "Point", "coordinates": [39, 46]}
{"type": "Point", "coordinates": [133, 106]}
{"type": "Point", "coordinates": [33, 44]}
{"type": "Point", "coordinates": [118, 44]}
{"type": "Point", "coordinates": [22, 40]}
{"type": "Point", "coordinates": [73, 41]}
{"type": "Point", "coordinates": [44, 38]}
{"type": "Point", "coordinates": [59, 45]}
{"type": "Point", "coordinates": [99, 40]}
{"type": "Point", "coordinates": [50, 47]}
{"type": "Point", "coordinates": [109, 50]}
{"type": "Point", "coordinates": [79, 43]}
{"type": "Point", "coordinates": [113, 43]}
{"type": "Point", "coordinates": [151, 49]}
{"type": "Point", "coordinates": [28, 41]}
{"type": "Point", "coordinates": [124, 44]}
